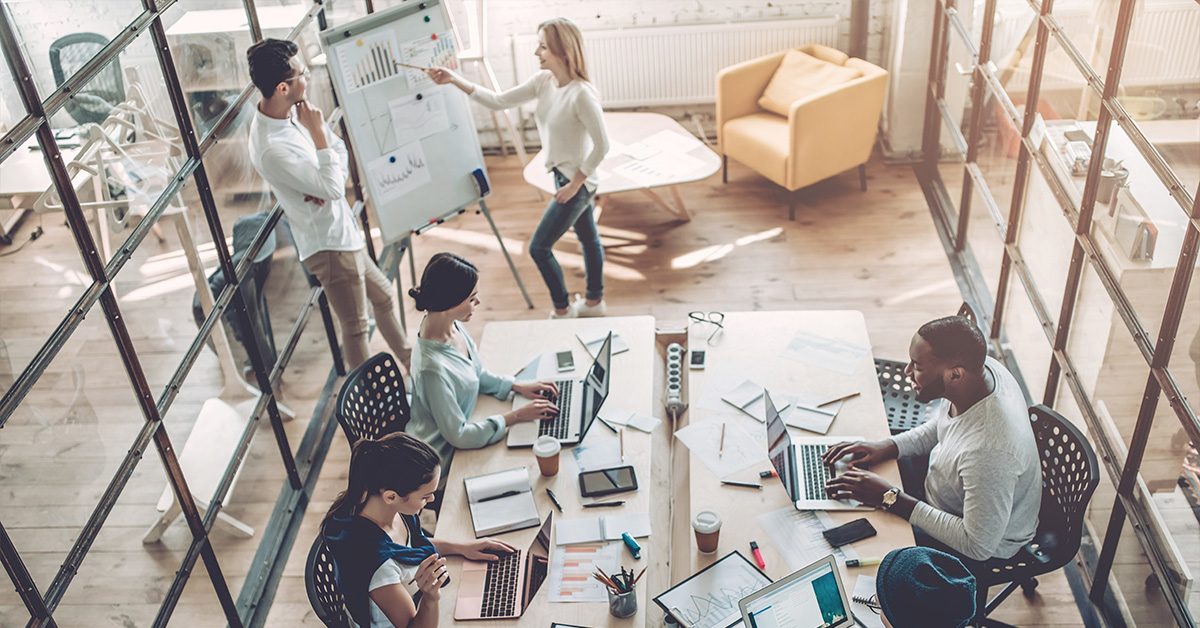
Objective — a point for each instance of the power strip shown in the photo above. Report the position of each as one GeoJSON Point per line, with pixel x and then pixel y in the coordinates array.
{"type": "Point", "coordinates": [674, 392]}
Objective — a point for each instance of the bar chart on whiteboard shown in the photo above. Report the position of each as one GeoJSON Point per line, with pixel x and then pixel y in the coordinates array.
{"type": "Point", "coordinates": [369, 60]}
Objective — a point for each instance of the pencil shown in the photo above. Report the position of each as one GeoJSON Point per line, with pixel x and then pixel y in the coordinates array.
{"type": "Point", "coordinates": [621, 434]}
{"type": "Point", "coordinates": [721, 451]}
{"type": "Point", "coordinates": [833, 401]}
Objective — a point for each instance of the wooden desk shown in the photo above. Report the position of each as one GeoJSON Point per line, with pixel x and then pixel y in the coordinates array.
{"type": "Point", "coordinates": [627, 129]}
{"type": "Point", "coordinates": [755, 339]}
{"type": "Point", "coordinates": [505, 348]}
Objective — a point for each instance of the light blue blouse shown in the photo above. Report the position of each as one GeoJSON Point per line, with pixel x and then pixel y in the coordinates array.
{"type": "Point", "coordinates": [446, 385]}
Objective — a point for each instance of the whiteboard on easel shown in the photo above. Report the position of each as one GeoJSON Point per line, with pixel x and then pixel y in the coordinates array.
{"type": "Point", "coordinates": [415, 141]}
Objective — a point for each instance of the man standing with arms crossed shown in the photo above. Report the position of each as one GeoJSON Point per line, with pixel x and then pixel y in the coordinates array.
{"type": "Point", "coordinates": [306, 165]}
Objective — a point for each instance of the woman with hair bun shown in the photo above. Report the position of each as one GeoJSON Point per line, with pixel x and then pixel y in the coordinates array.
{"type": "Point", "coordinates": [390, 573]}
{"type": "Point", "coordinates": [448, 375]}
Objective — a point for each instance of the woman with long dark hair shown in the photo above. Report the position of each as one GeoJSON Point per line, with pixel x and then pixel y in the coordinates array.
{"type": "Point", "coordinates": [389, 571]}
{"type": "Point", "coordinates": [448, 375]}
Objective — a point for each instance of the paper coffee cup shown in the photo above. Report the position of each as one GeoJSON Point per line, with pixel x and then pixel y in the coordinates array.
{"type": "Point", "coordinates": [546, 449]}
{"type": "Point", "coordinates": [707, 525]}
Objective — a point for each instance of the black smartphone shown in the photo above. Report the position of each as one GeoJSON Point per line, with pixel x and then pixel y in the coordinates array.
{"type": "Point", "coordinates": [607, 481]}
{"type": "Point", "coordinates": [697, 361]}
{"type": "Point", "coordinates": [566, 361]}
{"type": "Point", "coordinates": [848, 533]}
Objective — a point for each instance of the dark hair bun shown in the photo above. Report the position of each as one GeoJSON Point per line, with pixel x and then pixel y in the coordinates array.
{"type": "Point", "coordinates": [419, 303]}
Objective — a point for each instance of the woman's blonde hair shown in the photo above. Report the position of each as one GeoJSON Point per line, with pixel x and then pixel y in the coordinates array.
{"type": "Point", "coordinates": [564, 39]}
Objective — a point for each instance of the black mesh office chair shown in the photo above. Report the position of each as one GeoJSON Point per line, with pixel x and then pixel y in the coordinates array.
{"type": "Point", "coordinates": [372, 402]}
{"type": "Point", "coordinates": [324, 593]}
{"type": "Point", "coordinates": [1070, 474]}
{"type": "Point", "coordinates": [93, 101]}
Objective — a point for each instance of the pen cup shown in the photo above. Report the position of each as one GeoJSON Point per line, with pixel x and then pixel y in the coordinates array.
{"type": "Point", "coordinates": [546, 449]}
{"type": "Point", "coordinates": [622, 605]}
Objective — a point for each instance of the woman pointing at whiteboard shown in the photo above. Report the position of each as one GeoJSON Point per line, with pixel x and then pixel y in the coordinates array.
{"type": "Point", "coordinates": [571, 125]}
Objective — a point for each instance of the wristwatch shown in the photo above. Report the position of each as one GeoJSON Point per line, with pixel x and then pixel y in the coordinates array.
{"type": "Point", "coordinates": [889, 498]}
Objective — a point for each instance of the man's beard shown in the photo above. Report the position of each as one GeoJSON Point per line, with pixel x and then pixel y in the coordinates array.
{"type": "Point", "coordinates": [934, 390]}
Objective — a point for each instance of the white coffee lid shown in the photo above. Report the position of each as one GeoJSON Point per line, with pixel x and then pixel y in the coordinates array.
{"type": "Point", "coordinates": [546, 446]}
{"type": "Point", "coordinates": [706, 522]}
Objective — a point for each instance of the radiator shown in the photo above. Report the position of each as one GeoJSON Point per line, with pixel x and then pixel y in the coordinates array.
{"type": "Point", "coordinates": [677, 65]}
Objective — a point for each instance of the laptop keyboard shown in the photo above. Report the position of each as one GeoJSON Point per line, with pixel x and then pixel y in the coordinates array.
{"type": "Point", "coordinates": [559, 425]}
{"type": "Point", "coordinates": [814, 471]}
{"type": "Point", "coordinates": [500, 588]}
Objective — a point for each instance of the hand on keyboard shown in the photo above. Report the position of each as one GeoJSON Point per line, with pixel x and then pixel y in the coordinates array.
{"type": "Point", "coordinates": [538, 409]}
{"type": "Point", "coordinates": [864, 486]}
{"type": "Point", "coordinates": [536, 390]}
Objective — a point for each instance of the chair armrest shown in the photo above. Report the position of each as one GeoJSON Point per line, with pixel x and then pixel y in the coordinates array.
{"type": "Point", "coordinates": [739, 88]}
{"type": "Point", "coordinates": [834, 130]}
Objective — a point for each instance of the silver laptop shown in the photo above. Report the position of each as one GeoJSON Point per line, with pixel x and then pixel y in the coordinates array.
{"type": "Point", "coordinates": [800, 466]}
{"type": "Point", "coordinates": [813, 597]}
{"type": "Point", "coordinates": [504, 588]}
{"type": "Point", "coordinates": [578, 403]}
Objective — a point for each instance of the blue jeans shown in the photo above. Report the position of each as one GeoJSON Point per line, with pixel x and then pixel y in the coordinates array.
{"type": "Point", "coordinates": [556, 220]}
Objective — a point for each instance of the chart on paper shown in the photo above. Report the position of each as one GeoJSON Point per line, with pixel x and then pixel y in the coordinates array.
{"type": "Point", "coordinates": [369, 60]}
{"type": "Point", "coordinates": [571, 568]}
{"type": "Point", "coordinates": [399, 172]}
{"type": "Point", "coordinates": [428, 52]}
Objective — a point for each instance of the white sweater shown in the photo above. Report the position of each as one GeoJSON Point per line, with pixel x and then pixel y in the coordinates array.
{"type": "Point", "coordinates": [569, 121]}
{"type": "Point", "coordinates": [284, 155]}
{"type": "Point", "coordinates": [985, 478]}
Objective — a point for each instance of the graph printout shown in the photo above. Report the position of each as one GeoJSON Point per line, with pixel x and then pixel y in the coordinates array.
{"type": "Point", "coordinates": [571, 568]}
{"type": "Point", "coordinates": [370, 59]}
{"type": "Point", "coordinates": [399, 172]}
{"type": "Point", "coordinates": [428, 52]}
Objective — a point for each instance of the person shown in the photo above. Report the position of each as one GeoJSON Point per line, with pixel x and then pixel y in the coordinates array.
{"type": "Point", "coordinates": [390, 573]}
{"type": "Point", "coordinates": [306, 165]}
{"type": "Point", "coordinates": [918, 587]}
{"type": "Point", "coordinates": [571, 125]}
{"type": "Point", "coordinates": [448, 375]}
{"type": "Point", "coordinates": [979, 495]}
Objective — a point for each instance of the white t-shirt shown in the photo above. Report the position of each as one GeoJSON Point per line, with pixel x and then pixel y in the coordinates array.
{"type": "Point", "coordinates": [389, 573]}
{"type": "Point", "coordinates": [283, 154]}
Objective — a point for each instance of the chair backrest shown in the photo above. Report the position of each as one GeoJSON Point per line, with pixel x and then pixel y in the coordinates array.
{"type": "Point", "coordinates": [1070, 474]}
{"type": "Point", "coordinates": [372, 402]}
{"type": "Point", "coordinates": [324, 593]}
{"type": "Point", "coordinates": [94, 101]}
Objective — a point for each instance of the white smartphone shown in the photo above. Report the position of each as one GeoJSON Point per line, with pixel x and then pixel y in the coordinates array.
{"type": "Point", "coordinates": [697, 360]}
{"type": "Point", "coordinates": [566, 361]}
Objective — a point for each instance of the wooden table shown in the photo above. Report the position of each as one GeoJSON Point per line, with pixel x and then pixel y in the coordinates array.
{"type": "Point", "coordinates": [661, 143]}
{"type": "Point", "coordinates": [755, 339]}
{"type": "Point", "coordinates": [505, 348]}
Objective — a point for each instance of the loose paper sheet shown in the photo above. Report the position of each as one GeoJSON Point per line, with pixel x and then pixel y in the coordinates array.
{"type": "Point", "coordinates": [828, 353]}
{"type": "Point", "coordinates": [399, 172]}
{"type": "Point", "coordinates": [673, 141]}
{"type": "Point", "coordinates": [417, 116]}
{"type": "Point", "coordinates": [428, 52]}
{"type": "Point", "coordinates": [620, 416]}
{"type": "Point", "coordinates": [370, 59]}
{"type": "Point", "coordinates": [604, 454]}
{"type": "Point", "coordinates": [571, 571]}
{"type": "Point", "coordinates": [797, 535]}
{"type": "Point", "coordinates": [740, 450]}
{"type": "Point", "coordinates": [805, 414]}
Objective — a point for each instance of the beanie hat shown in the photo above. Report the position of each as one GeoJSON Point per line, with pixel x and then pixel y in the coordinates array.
{"type": "Point", "coordinates": [919, 587]}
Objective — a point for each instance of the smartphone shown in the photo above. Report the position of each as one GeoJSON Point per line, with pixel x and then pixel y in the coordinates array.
{"type": "Point", "coordinates": [697, 360]}
{"type": "Point", "coordinates": [847, 533]}
{"type": "Point", "coordinates": [607, 481]}
{"type": "Point", "coordinates": [566, 361]}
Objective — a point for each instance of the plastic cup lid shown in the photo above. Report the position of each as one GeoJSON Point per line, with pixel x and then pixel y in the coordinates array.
{"type": "Point", "coordinates": [546, 446]}
{"type": "Point", "coordinates": [706, 522]}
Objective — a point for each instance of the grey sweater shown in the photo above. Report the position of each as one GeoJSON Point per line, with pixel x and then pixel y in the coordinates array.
{"type": "Point", "coordinates": [984, 487]}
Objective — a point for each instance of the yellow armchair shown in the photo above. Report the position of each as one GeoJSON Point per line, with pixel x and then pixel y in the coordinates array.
{"type": "Point", "coordinates": [824, 133]}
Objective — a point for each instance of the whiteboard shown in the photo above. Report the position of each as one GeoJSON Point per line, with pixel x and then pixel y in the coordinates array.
{"type": "Point", "coordinates": [414, 141]}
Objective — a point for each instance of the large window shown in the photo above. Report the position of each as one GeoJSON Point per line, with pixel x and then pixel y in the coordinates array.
{"type": "Point", "coordinates": [1063, 147]}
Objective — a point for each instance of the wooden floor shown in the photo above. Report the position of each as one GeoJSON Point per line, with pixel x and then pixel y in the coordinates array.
{"type": "Point", "coordinates": [875, 251]}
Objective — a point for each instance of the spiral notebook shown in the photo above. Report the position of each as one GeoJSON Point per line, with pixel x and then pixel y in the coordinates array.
{"type": "Point", "coordinates": [501, 502]}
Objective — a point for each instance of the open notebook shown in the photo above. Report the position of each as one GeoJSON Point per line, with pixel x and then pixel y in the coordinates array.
{"type": "Point", "coordinates": [501, 502]}
{"type": "Point", "coordinates": [603, 528]}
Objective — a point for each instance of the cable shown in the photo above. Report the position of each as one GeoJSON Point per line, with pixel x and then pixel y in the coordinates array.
{"type": "Point", "coordinates": [35, 234]}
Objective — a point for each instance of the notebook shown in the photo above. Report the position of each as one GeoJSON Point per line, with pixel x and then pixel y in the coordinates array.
{"type": "Point", "coordinates": [501, 502]}
{"type": "Point", "coordinates": [603, 528]}
{"type": "Point", "coordinates": [748, 397]}
{"type": "Point", "coordinates": [593, 339]}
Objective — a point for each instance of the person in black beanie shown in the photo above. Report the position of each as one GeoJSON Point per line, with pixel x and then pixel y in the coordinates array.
{"type": "Point", "coordinates": [919, 587]}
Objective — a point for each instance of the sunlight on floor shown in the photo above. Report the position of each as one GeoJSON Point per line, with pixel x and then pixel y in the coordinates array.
{"type": "Point", "coordinates": [717, 251]}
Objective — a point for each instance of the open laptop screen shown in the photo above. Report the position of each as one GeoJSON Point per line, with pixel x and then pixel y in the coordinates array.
{"type": "Point", "coordinates": [812, 600]}
{"type": "Point", "coordinates": [597, 381]}
{"type": "Point", "coordinates": [779, 449]}
{"type": "Point", "coordinates": [537, 564]}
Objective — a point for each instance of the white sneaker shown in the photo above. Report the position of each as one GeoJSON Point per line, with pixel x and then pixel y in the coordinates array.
{"type": "Point", "coordinates": [583, 310]}
{"type": "Point", "coordinates": [571, 312]}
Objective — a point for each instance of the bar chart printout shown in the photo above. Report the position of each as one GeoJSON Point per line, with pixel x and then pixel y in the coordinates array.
{"type": "Point", "coordinates": [370, 59]}
{"type": "Point", "coordinates": [571, 568]}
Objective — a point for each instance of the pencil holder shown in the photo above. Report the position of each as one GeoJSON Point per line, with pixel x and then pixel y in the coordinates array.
{"type": "Point", "coordinates": [622, 605]}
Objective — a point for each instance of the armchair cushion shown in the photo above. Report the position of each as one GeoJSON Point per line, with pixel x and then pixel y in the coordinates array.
{"type": "Point", "coordinates": [760, 141]}
{"type": "Point", "coordinates": [799, 76]}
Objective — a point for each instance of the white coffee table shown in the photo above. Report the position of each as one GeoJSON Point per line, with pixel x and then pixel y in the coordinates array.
{"type": "Point", "coordinates": [648, 150]}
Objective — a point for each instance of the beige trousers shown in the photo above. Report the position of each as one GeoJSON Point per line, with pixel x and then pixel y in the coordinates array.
{"type": "Point", "coordinates": [351, 280]}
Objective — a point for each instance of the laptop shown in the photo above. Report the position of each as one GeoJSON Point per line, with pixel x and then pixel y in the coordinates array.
{"type": "Point", "coordinates": [504, 589]}
{"type": "Point", "coordinates": [578, 403]}
{"type": "Point", "coordinates": [800, 467]}
{"type": "Point", "coordinates": [813, 597]}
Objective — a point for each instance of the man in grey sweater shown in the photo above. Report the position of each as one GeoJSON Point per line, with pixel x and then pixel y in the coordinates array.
{"type": "Point", "coordinates": [980, 495]}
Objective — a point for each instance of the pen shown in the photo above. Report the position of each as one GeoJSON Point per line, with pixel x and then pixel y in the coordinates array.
{"type": "Point", "coordinates": [862, 562]}
{"type": "Point", "coordinates": [768, 474]}
{"type": "Point", "coordinates": [721, 450]}
{"type": "Point", "coordinates": [554, 499]}
{"type": "Point", "coordinates": [757, 555]}
{"type": "Point", "coordinates": [634, 549]}
{"type": "Point", "coordinates": [745, 484]}
{"type": "Point", "coordinates": [607, 424]}
{"type": "Point", "coordinates": [621, 433]}
{"type": "Point", "coordinates": [833, 401]}
{"type": "Point", "coordinates": [604, 504]}
{"type": "Point", "coordinates": [500, 496]}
